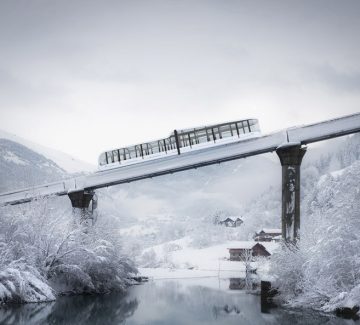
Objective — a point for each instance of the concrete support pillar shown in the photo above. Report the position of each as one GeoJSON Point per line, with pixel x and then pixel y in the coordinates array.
{"type": "Point", "coordinates": [81, 199]}
{"type": "Point", "coordinates": [290, 158]}
{"type": "Point", "coordinates": [84, 203]}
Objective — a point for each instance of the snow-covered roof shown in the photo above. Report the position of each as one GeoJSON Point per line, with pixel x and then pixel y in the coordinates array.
{"type": "Point", "coordinates": [232, 218]}
{"type": "Point", "coordinates": [271, 247]}
{"type": "Point", "coordinates": [227, 219]}
{"type": "Point", "coordinates": [214, 125]}
{"type": "Point", "coordinates": [245, 245]}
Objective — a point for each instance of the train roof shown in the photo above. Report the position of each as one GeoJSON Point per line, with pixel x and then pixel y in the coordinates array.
{"type": "Point", "coordinates": [213, 125]}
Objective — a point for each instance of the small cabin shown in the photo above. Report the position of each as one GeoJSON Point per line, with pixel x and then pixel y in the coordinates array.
{"type": "Point", "coordinates": [237, 254]}
{"type": "Point", "coordinates": [231, 222]}
{"type": "Point", "coordinates": [267, 235]}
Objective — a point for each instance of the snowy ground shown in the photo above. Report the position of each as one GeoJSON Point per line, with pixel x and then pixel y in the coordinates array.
{"type": "Point", "coordinates": [189, 262]}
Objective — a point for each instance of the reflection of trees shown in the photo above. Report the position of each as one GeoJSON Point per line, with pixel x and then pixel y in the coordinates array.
{"type": "Point", "coordinates": [73, 310]}
{"type": "Point", "coordinates": [249, 283]}
{"type": "Point", "coordinates": [25, 313]}
{"type": "Point", "coordinates": [196, 301]}
{"type": "Point", "coordinates": [299, 317]}
{"type": "Point", "coordinates": [225, 310]}
{"type": "Point", "coordinates": [168, 300]}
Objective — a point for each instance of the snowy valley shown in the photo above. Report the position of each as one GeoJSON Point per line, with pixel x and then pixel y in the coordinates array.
{"type": "Point", "coordinates": [169, 227]}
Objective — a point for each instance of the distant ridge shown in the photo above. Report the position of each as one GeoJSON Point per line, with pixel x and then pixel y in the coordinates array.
{"type": "Point", "coordinates": [63, 160]}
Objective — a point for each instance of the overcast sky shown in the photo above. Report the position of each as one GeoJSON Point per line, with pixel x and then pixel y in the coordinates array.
{"type": "Point", "coordinates": [82, 76]}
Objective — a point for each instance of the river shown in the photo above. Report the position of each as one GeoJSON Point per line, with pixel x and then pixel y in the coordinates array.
{"type": "Point", "coordinates": [177, 301]}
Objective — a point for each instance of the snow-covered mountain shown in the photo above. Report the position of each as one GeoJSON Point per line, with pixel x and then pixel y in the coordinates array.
{"type": "Point", "coordinates": [23, 167]}
{"type": "Point", "coordinates": [63, 160]}
{"type": "Point", "coordinates": [24, 163]}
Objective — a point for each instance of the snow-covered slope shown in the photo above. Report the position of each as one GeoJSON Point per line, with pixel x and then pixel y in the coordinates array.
{"type": "Point", "coordinates": [65, 161]}
{"type": "Point", "coordinates": [22, 167]}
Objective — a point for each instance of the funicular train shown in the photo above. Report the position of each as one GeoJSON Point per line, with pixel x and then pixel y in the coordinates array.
{"type": "Point", "coordinates": [181, 141]}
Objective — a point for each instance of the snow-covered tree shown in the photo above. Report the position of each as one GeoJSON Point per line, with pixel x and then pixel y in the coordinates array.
{"type": "Point", "coordinates": [46, 250]}
{"type": "Point", "coordinates": [323, 271]}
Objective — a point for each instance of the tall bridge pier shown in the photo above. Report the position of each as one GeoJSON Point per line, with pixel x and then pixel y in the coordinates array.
{"type": "Point", "coordinates": [291, 156]}
{"type": "Point", "coordinates": [84, 201]}
{"type": "Point", "coordinates": [81, 199]}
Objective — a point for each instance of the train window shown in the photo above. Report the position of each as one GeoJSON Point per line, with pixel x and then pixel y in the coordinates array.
{"type": "Point", "coordinates": [235, 129]}
{"type": "Point", "coordinates": [115, 154]}
{"type": "Point", "coordinates": [254, 125]}
{"type": "Point", "coordinates": [161, 145]}
{"type": "Point", "coordinates": [225, 131]}
{"type": "Point", "coordinates": [217, 132]}
{"type": "Point", "coordinates": [231, 130]}
{"type": "Point", "coordinates": [183, 142]}
{"type": "Point", "coordinates": [154, 147]}
{"type": "Point", "coordinates": [213, 134]}
{"type": "Point", "coordinates": [102, 159]}
{"type": "Point", "coordinates": [138, 151]}
{"type": "Point", "coordinates": [190, 137]}
{"type": "Point", "coordinates": [125, 154]}
{"type": "Point", "coordinates": [241, 127]}
{"type": "Point", "coordinates": [109, 157]}
{"type": "Point", "coordinates": [206, 136]}
{"type": "Point", "coordinates": [148, 149]}
{"type": "Point", "coordinates": [196, 140]}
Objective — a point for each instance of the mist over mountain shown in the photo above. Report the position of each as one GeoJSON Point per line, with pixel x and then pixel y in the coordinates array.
{"type": "Point", "coordinates": [22, 167]}
{"type": "Point", "coordinates": [200, 192]}
{"type": "Point", "coordinates": [63, 160]}
{"type": "Point", "coordinates": [25, 164]}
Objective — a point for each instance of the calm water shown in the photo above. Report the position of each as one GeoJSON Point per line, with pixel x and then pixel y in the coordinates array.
{"type": "Point", "coordinates": [190, 301]}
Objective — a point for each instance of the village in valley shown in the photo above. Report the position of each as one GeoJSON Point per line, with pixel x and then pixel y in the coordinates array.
{"type": "Point", "coordinates": [226, 259]}
{"type": "Point", "coordinates": [256, 248]}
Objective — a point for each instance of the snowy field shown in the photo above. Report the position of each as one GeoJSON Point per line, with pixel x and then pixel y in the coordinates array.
{"type": "Point", "coordinates": [190, 262]}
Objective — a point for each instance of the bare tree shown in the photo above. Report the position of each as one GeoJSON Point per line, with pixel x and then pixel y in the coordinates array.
{"type": "Point", "coordinates": [247, 257]}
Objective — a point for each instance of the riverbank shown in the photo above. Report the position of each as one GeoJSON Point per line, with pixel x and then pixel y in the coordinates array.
{"type": "Point", "coordinates": [201, 300]}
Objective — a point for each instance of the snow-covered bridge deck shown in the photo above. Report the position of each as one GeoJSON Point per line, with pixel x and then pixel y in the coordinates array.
{"type": "Point", "coordinates": [300, 135]}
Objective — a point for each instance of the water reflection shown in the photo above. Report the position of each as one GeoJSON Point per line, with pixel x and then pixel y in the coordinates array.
{"type": "Point", "coordinates": [249, 283]}
{"type": "Point", "coordinates": [225, 310]}
{"type": "Point", "coordinates": [190, 301]}
{"type": "Point", "coordinates": [72, 310]}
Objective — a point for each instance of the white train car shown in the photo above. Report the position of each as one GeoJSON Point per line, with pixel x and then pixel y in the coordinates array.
{"type": "Point", "coordinates": [181, 141]}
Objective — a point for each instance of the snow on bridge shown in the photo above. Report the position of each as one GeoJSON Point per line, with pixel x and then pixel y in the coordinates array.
{"type": "Point", "coordinates": [300, 135]}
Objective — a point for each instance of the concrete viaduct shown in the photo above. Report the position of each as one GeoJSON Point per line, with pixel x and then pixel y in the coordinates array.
{"type": "Point", "coordinates": [289, 144]}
